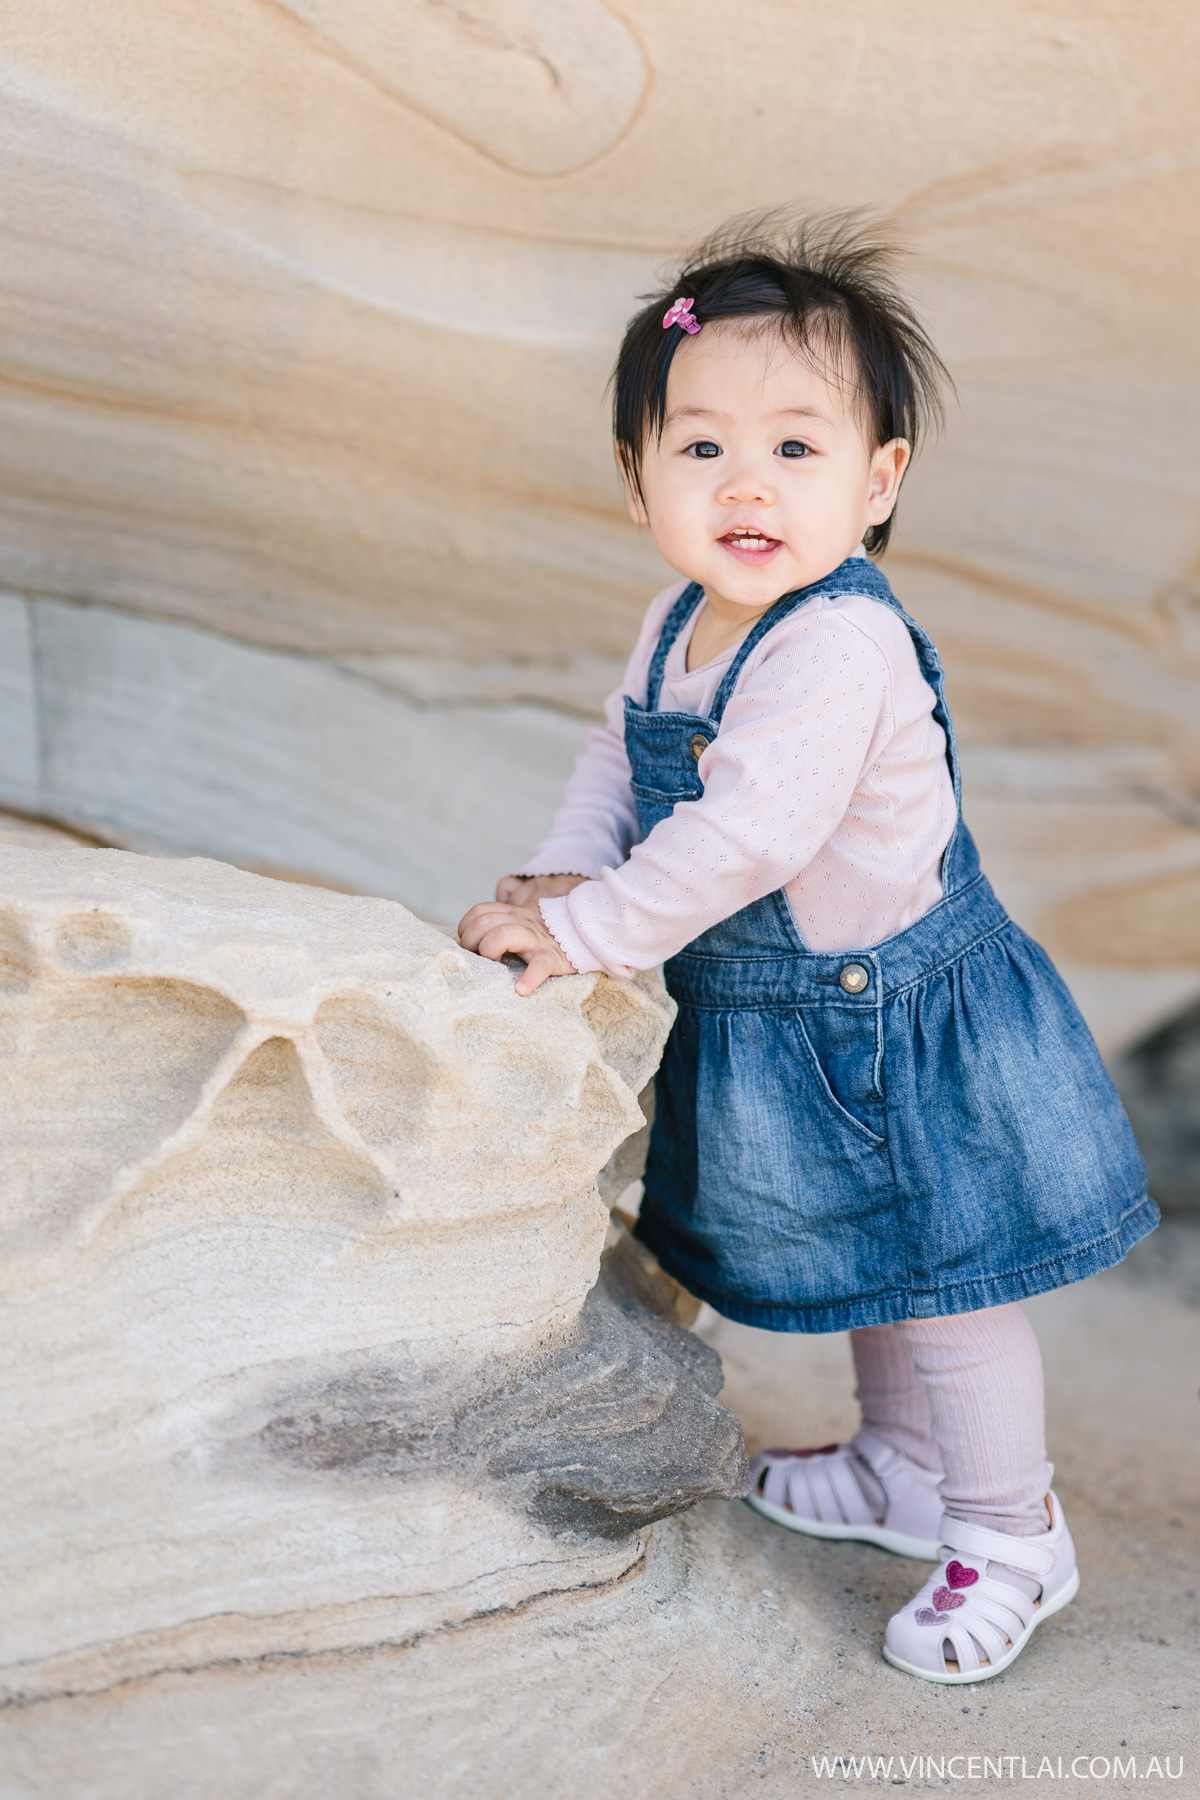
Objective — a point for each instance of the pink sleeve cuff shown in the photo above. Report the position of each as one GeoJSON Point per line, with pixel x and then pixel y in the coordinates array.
{"type": "Point", "coordinates": [557, 921]}
{"type": "Point", "coordinates": [586, 866]}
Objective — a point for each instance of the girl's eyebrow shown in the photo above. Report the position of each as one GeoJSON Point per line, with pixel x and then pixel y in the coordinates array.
{"type": "Point", "coordinates": [803, 412]}
{"type": "Point", "coordinates": [783, 412]}
{"type": "Point", "coordinates": [693, 412]}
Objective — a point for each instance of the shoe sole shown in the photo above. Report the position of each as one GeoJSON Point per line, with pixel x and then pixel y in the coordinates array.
{"type": "Point", "coordinates": [1045, 1611]}
{"type": "Point", "coordinates": [898, 1542]}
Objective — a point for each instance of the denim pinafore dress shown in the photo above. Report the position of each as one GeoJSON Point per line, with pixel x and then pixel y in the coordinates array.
{"type": "Point", "coordinates": [917, 1128]}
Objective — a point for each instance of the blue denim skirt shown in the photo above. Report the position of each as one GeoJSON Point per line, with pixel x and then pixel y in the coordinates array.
{"type": "Point", "coordinates": [947, 1139]}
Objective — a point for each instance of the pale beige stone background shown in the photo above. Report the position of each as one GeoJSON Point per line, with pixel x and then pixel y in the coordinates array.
{"type": "Point", "coordinates": [313, 553]}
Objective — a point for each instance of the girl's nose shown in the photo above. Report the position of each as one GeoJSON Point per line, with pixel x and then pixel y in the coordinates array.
{"type": "Point", "coordinates": [749, 485]}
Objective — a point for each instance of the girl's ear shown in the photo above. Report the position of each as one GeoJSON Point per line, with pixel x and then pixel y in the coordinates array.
{"type": "Point", "coordinates": [888, 464]}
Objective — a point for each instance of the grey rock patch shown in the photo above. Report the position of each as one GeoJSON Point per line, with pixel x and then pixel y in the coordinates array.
{"type": "Point", "coordinates": [598, 1435]}
{"type": "Point", "coordinates": [1159, 1081]}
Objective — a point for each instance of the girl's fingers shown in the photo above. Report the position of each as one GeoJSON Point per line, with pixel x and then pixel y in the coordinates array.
{"type": "Point", "coordinates": [539, 968]}
{"type": "Point", "coordinates": [491, 929]}
{"type": "Point", "coordinates": [525, 890]}
{"type": "Point", "coordinates": [507, 940]}
{"type": "Point", "coordinates": [496, 937]}
{"type": "Point", "coordinates": [497, 928]}
{"type": "Point", "coordinates": [474, 923]}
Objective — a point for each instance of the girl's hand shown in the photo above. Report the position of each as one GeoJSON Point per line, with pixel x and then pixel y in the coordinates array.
{"type": "Point", "coordinates": [493, 929]}
{"type": "Point", "coordinates": [527, 890]}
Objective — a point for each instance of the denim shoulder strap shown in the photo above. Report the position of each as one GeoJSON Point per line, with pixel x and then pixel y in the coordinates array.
{"type": "Point", "coordinates": [960, 865]}
{"type": "Point", "coordinates": [673, 624]}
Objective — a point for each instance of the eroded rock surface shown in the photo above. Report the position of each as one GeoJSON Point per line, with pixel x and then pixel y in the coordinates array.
{"type": "Point", "coordinates": [303, 1345]}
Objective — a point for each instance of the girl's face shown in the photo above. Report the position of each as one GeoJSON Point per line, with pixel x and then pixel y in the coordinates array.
{"type": "Point", "coordinates": [763, 480]}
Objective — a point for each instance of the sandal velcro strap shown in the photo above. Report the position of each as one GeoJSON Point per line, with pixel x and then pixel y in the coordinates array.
{"type": "Point", "coordinates": [882, 1459]}
{"type": "Point", "coordinates": [1027, 1554]}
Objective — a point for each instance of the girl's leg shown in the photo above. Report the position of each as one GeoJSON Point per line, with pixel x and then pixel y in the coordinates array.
{"type": "Point", "coordinates": [881, 1487]}
{"type": "Point", "coordinates": [982, 1375]}
{"type": "Point", "coordinates": [890, 1395]}
{"type": "Point", "coordinates": [1007, 1564]}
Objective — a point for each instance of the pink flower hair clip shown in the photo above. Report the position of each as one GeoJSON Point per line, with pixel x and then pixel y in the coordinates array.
{"type": "Point", "coordinates": [681, 314]}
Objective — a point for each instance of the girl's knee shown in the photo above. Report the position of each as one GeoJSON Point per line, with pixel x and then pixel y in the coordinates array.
{"type": "Point", "coordinates": [968, 1327]}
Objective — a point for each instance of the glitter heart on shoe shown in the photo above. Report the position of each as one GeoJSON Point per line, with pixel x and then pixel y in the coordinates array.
{"type": "Point", "coordinates": [945, 1601]}
{"type": "Point", "coordinates": [927, 1616]}
{"type": "Point", "coordinates": [958, 1575]}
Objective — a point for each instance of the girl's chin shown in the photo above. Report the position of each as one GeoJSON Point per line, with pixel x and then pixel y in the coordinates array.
{"type": "Point", "coordinates": [743, 583]}
{"type": "Point", "coordinates": [755, 587]}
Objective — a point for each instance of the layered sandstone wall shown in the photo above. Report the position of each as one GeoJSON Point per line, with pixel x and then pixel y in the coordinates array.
{"type": "Point", "coordinates": [313, 553]}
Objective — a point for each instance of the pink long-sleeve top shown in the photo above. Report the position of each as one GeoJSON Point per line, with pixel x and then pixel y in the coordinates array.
{"type": "Point", "coordinates": [828, 778]}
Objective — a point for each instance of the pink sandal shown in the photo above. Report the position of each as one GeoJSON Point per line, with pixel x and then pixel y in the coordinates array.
{"type": "Point", "coordinates": [967, 1625]}
{"type": "Point", "coordinates": [816, 1491]}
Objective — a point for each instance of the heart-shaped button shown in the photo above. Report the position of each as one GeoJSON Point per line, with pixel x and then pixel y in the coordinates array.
{"type": "Point", "coordinates": [946, 1600]}
{"type": "Point", "coordinates": [958, 1575]}
{"type": "Point", "coordinates": [926, 1616]}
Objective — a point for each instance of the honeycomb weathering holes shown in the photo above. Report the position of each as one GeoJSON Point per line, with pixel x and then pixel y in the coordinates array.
{"type": "Point", "coordinates": [264, 1153]}
{"type": "Point", "coordinates": [139, 1049]}
{"type": "Point", "coordinates": [382, 1075]}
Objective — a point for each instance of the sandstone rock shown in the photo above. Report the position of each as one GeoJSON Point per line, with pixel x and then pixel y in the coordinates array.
{"type": "Point", "coordinates": [303, 1342]}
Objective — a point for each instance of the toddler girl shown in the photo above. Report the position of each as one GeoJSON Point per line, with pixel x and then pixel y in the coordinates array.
{"type": "Point", "coordinates": [879, 1109]}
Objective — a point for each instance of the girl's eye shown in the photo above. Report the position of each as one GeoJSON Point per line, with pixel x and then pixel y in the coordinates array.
{"type": "Point", "coordinates": [703, 447]}
{"type": "Point", "coordinates": [793, 447]}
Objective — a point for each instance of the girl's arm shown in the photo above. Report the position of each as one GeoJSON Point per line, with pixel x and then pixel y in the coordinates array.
{"type": "Point", "coordinates": [596, 825]}
{"type": "Point", "coordinates": [810, 712]}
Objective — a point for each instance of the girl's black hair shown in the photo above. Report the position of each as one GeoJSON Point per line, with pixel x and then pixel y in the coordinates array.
{"type": "Point", "coordinates": [830, 287]}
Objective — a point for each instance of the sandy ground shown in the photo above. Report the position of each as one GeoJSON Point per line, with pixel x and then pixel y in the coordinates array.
{"type": "Point", "coordinates": [741, 1651]}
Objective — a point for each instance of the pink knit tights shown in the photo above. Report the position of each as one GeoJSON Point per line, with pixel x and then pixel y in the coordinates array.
{"type": "Point", "coordinates": [963, 1394]}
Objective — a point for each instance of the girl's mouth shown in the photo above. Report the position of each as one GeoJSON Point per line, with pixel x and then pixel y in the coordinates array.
{"type": "Point", "coordinates": [749, 545]}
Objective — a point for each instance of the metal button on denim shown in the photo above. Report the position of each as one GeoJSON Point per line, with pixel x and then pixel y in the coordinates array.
{"type": "Point", "coordinates": [853, 978]}
{"type": "Point", "coordinates": [698, 744]}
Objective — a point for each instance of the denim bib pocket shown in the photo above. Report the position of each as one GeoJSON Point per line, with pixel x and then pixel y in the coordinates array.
{"type": "Point", "coordinates": [664, 800]}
